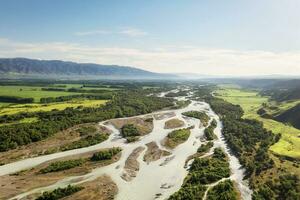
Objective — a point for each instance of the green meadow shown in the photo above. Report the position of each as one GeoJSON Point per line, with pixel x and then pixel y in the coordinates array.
{"type": "Point", "coordinates": [31, 92]}
{"type": "Point", "coordinates": [35, 107]}
{"type": "Point", "coordinates": [37, 93]}
{"type": "Point", "coordinates": [251, 101]}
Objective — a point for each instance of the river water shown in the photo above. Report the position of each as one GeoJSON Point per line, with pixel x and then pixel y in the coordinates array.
{"type": "Point", "coordinates": [154, 180]}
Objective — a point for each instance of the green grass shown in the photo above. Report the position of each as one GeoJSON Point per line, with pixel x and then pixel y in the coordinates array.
{"type": "Point", "coordinates": [25, 120]}
{"type": "Point", "coordinates": [36, 92]}
{"type": "Point", "coordinates": [280, 106]}
{"type": "Point", "coordinates": [34, 107]}
{"type": "Point", "coordinates": [3, 104]}
{"type": "Point", "coordinates": [251, 101]}
{"type": "Point", "coordinates": [177, 137]}
{"type": "Point", "coordinates": [31, 92]}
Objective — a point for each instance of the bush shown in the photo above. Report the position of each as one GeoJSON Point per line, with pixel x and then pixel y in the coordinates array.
{"type": "Point", "coordinates": [60, 193]}
{"type": "Point", "coordinates": [62, 165]}
{"type": "Point", "coordinates": [90, 140]}
{"type": "Point", "coordinates": [177, 137]}
{"type": "Point", "coordinates": [209, 131]}
{"type": "Point", "coordinates": [129, 130]}
{"type": "Point", "coordinates": [105, 154]}
{"type": "Point", "coordinates": [223, 191]}
{"type": "Point", "coordinates": [205, 147]}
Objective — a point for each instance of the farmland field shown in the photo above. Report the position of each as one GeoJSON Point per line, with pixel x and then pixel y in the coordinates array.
{"type": "Point", "coordinates": [37, 93]}
{"type": "Point", "coordinates": [31, 92]}
{"type": "Point", "coordinates": [35, 107]}
{"type": "Point", "coordinates": [251, 101]}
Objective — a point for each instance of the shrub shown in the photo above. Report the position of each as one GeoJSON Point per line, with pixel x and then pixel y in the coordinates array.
{"type": "Point", "coordinates": [59, 193]}
{"type": "Point", "coordinates": [105, 154]}
{"type": "Point", "coordinates": [62, 165]}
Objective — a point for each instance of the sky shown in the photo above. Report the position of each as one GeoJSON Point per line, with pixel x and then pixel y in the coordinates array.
{"type": "Point", "coordinates": [212, 37]}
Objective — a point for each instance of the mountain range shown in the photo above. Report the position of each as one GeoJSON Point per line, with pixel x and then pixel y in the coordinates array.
{"type": "Point", "coordinates": [32, 68]}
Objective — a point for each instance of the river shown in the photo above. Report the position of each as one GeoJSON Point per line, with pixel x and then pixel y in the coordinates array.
{"type": "Point", "coordinates": [154, 180]}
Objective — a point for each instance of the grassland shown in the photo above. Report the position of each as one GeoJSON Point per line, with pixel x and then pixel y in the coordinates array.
{"type": "Point", "coordinates": [31, 92]}
{"type": "Point", "coordinates": [37, 93]}
{"type": "Point", "coordinates": [35, 107]}
{"type": "Point", "coordinates": [276, 108]}
{"type": "Point", "coordinates": [177, 137]}
{"type": "Point", "coordinates": [251, 101]}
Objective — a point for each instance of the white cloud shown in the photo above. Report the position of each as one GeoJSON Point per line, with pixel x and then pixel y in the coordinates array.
{"type": "Point", "coordinates": [131, 32]}
{"type": "Point", "coordinates": [164, 58]}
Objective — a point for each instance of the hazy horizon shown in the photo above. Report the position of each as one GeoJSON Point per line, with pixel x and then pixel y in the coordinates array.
{"type": "Point", "coordinates": [232, 38]}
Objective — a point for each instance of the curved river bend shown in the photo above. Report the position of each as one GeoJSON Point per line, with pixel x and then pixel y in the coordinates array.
{"type": "Point", "coordinates": [154, 180]}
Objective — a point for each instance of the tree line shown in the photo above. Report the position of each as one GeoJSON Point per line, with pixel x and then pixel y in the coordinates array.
{"type": "Point", "coordinates": [13, 99]}
{"type": "Point", "coordinates": [101, 96]}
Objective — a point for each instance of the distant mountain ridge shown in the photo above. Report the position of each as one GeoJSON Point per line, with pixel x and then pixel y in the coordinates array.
{"type": "Point", "coordinates": [46, 68]}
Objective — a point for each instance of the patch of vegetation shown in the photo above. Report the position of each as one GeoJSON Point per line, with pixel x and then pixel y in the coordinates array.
{"type": "Point", "coordinates": [189, 192]}
{"type": "Point", "coordinates": [13, 99]}
{"type": "Point", "coordinates": [86, 130]}
{"type": "Point", "coordinates": [177, 137]}
{"type": "Point", "coordinates": [223, 191]}
{"type": "Point", "coordinates": [62, 165]}
{"type": "Point", "coordinates": [173, 123]}
{"type": "Point", "coordinates": [59, 193]}
{"type": "Point", "coordinates": [203, 171]}
{"type": "Point", "coordinates": [204, 148]}
{"type": "Point", "coordinates": [130, 132]}
{"type": "Point", "coordinates": [182, 104]}
{"type": "Point", "coordinates": [105, 154]}
{"type": "Point", "coordinates": [202, 116]}
{"type": "Point", "coordinates": [87, 141]}
{"type": "Point", "coordinates": [209, 131]}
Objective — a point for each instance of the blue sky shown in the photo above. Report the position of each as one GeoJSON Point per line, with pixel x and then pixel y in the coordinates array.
{"type": "Point", "coordinates": [233, 37]}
